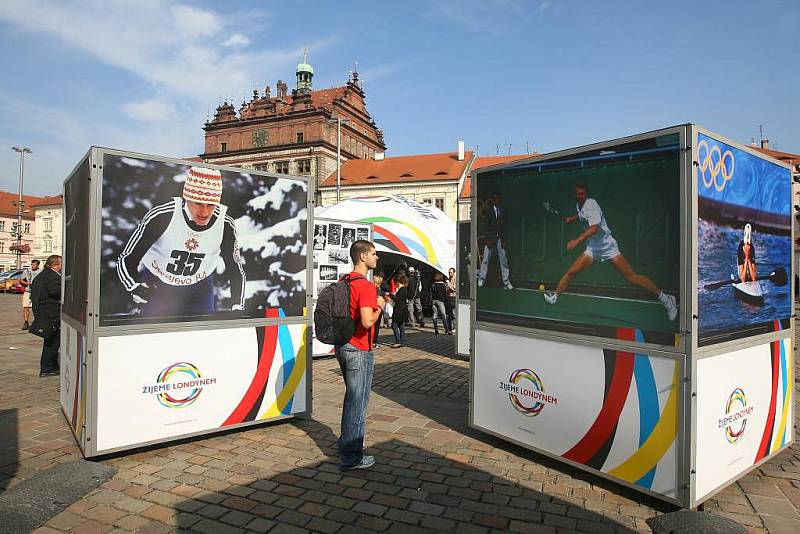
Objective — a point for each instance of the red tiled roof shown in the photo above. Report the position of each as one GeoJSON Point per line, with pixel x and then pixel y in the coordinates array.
{"type": "Point", "coordinates": [487, 161]}
{"type": "Point", "coordinates": [8, 204]}
{"type": "Point", "coordinates": [55, 200]}
{"type": "Point", "coordinates": [402, 169]}
{"type": "Point", "coordinates": [323, 98]}
{"type": "Point", "coordinates": [792, 159]}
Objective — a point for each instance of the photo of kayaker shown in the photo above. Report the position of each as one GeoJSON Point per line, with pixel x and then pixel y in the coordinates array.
{"type": "Point", "coordinates": [747, 256]}
{"type": "Point", "coordinates": [744, 243]}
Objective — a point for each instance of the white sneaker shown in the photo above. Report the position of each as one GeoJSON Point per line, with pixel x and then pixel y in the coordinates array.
{"type": "Point", "coordinates": [508, 285]}
{"type": "Point", "coordinates": [671, 306]}
{"type": "Point", "coordinates": [480, 282]}
{"type": "Point", "coordinates": [550, 297]}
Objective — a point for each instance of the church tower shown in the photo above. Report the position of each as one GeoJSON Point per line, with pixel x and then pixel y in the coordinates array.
{"type": "Point", "coordinates": [304, 74]}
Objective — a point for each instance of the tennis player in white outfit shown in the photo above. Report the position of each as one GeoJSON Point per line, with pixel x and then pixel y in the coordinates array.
{"type": "Point", "coordinates": [601, 246]}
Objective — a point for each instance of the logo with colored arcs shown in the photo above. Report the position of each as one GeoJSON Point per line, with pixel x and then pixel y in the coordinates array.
{"type": "Point", "coordinates": [187, 378]}
{"type": "Point", "coordinates": [736, 412]}
{"type": "Point", "coordinates": [716, 167]}
{"type": "Point", "coordinates": [526, 392]}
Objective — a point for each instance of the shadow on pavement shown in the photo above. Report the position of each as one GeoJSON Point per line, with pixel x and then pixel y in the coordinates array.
{"type": "Point", "coordinates": [9, 446]}
{"type": "Point", "coordinates": [453, 413]}
{"type": "Point", "coordinates": [409, 489]}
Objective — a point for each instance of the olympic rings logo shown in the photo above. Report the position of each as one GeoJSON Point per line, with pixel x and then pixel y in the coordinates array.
{"type": "Point", "coordinates": [714, 164]}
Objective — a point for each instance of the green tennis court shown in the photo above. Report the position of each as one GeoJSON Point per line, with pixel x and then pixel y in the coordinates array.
{"type": "Point", "coordinates": [577, 308]}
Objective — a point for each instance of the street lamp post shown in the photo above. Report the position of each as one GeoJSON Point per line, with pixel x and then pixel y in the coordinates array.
{"type": "Point", "coordinates": [22, 151]}
{"type": "Point", "coordinates": [339, 121]}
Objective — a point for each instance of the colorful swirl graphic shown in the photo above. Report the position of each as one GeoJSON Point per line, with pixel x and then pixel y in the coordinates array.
{"type": "Point", "coordinates": [168, 400]}
{"type": "Point", "coordinates": [526, 375]}
{"type": "Point", "coordinates": [737, 401]}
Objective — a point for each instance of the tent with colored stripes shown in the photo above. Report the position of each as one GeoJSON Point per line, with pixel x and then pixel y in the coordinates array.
{"type": "Point", "coordinates": [402, 226]}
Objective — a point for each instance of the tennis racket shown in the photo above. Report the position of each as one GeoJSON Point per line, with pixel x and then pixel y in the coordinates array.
{"type": "Point", "coordinates": [550, 209]}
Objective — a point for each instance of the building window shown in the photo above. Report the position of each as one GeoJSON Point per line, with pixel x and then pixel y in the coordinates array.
{"type": "Point", "coordinates": [27, 228]}
{"type": "Point", "coordinates": [304, 166]}
{"type": "Point", "coordinates": [13, 228]}
{"type": "Point", "coordinates": [439, 203]}
{"type": "Point", "coordinates": [48, 225]}
{"type": "Point", "coordinates": [2, 226]}
{"type": "Point", "coordinates": [427, 201]}
{"type": "Point", "coordinates": [282, 167]}
{"type": "Point", "coordinates": [299, 137]}
{"type": "Point", "coordinates": [261, 166]}
{"type": "Point", "coordinates": [2, 247]}
{"type": "Point", "coordinates": [223, 147]}
{"type": "Point", "coordinates": [48, 245]}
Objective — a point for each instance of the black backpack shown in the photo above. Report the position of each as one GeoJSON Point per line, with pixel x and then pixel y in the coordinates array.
{"type": "Point", "coordinates": [332, 321]}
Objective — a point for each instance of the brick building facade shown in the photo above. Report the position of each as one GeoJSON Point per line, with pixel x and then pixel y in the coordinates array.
{"type": "Point", "coordinates": [294, 133]}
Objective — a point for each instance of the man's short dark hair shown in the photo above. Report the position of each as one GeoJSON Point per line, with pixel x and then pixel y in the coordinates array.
{"type": "Point", "coordinates": [358, 248]}
{"type": "Point", "coordinates": [37, 262]}
{"type": "Point", "coordinates": [582, 185]}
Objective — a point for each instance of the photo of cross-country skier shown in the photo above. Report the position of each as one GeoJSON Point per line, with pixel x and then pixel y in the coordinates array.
{"type": "Point", "coordinates": [184, 243]}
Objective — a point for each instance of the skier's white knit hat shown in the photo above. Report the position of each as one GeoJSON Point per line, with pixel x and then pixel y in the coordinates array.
{"type": "Point", "coordinates": [203, 185]}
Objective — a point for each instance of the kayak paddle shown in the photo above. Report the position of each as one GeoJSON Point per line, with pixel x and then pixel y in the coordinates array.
{"type": "Point", "coordinates": [778, 277]}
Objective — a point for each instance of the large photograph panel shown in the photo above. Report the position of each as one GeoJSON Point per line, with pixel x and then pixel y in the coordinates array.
{"type": "Point", "coordinates": [184, 243]}
{"type": "Point", "coordinates": [744, 243]}
{"type": "Point", "coordinates": [586, 244]}
{"type": "Point", "coordinates": [76, 243]}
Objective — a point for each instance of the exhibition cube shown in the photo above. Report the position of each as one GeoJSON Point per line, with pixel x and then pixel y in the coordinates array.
{"type": "Point", "coordinates": [632, 309]}
{"type": "Point", "coordinates": [184, 299]}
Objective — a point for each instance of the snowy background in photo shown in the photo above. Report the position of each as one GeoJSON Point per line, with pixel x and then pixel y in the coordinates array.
{"type": "Point", "coordinates": [270, 216]}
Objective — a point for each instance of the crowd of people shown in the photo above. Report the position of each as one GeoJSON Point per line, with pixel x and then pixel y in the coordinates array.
{"type": "Point", "coordinates": [402, 292]}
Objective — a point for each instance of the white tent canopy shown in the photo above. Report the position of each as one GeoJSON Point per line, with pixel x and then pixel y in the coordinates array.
{"type": "Point", "coordinates": [402, 226]}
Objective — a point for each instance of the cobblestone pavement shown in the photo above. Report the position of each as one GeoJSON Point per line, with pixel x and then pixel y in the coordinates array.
{"type": "Point", "coordinates": [433, 472]}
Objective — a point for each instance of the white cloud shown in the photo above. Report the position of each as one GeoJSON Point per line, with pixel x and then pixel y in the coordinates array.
{"type": "Point", "coordinates": [193, 22]}
{"type": "Point", "coordinates": [152, 110]}
{"type": "Point", "coordinates": [179, 49]}
{"type": "Point", "coordinates": [237, 39]}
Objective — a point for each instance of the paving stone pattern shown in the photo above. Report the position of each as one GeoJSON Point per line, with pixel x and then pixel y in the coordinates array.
{"type": "Point", "coordinates": [433, 472]}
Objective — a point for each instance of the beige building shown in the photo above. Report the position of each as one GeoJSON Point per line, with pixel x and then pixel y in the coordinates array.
{"type": "Point", "coordinates": [432, 179]}
{"type": "Point", "coordinates": [442, 180]}
{"type": "Point", "coordinates": [48, 227]}
{"type": "Point", "coordinates": [8, 230]}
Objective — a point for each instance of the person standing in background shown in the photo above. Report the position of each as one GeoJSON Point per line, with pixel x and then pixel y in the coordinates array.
{"type": "Point", "coordinates": [46, 301]}
{"type": "Point", "coordinates": [452, 292]}
{"type": "Point", "coordinates": [27, 279]}
{"type": "Point", "coordinates": [400, 313]}
{"type": "Point", "coordinates": [438, 296]}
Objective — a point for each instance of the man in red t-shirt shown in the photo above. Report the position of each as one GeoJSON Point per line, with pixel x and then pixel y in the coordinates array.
{"type": "Point", "coordinates": [356, 359]}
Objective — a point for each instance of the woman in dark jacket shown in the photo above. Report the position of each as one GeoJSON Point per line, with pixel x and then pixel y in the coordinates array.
{"type": "Point", "coordinates": [46, 303]}
{"type": "Point", "coordinates": [400, 310]}
{"type": "Point", "coordinates": [439, 296]}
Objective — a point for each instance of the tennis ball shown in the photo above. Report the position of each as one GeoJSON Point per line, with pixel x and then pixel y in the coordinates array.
{"type": "Point", "coordinates": [541, 287]}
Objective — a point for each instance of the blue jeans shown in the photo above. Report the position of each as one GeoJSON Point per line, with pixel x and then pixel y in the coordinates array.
{"type": "Point", "coordinates": [440, 312]}
{"type": "Point", "coordinates": [356, 366]}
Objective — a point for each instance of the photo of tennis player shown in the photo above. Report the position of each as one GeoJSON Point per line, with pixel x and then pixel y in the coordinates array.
{"type": "Point", "coordinates": [184, 243]}
{"type": "Point", "coordinates": [744, 243]}
{"type": "Point", "coordinates": [320, 236]}
{"type": "Point", "coordinates": [583, 243]}
{"type": "Point", "coordinates": [600, 246]}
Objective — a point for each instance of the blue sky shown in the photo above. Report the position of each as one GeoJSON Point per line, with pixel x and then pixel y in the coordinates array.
{"type": "Point", "coordinates": [142, 75]}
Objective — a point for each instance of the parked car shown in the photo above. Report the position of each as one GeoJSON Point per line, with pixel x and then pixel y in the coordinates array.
{"type": "Point", "coordinates": [9, 282]}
